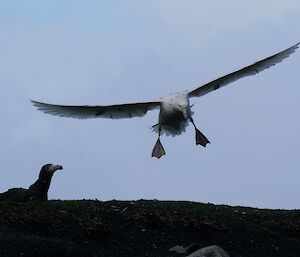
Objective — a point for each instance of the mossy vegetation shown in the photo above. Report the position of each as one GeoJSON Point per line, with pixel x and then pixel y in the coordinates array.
{"type": "Point", "coordinates": [143, 228]}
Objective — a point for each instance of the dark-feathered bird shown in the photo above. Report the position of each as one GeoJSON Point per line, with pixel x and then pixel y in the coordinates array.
{"type": "Point", "coordinates": [37, 191]}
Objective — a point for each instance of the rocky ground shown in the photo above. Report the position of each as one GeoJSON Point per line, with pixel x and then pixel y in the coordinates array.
{"type": "Point", "coordinates": [143, 228]}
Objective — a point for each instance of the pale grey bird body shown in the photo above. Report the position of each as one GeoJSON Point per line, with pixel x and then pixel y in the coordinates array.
{"type": "Point", "coordinates": [175, 113]}
{"type": "Point", "coordinates": [175, 109]}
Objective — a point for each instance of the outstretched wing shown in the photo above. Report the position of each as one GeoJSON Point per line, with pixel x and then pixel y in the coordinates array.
{"type": "Point", "coordinates": [117, 111]}
{"type": "Point", "coordinates": [244, 72]}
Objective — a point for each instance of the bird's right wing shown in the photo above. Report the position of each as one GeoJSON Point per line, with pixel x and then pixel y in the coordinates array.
{"type": "Point", "coordinates": [117, 111]}
{"type": "Point", "coordinates": [244, 72]}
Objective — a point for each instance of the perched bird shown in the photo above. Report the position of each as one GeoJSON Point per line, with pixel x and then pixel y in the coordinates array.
{"type": "Point", "coordinates": [209, 251]}
{"type": "Point", "coordinates": [175, 109]}
{"type": "Point", "coordinates": [37, 191]}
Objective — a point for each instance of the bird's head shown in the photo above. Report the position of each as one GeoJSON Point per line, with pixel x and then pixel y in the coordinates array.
{"type": "Point", "coordinates": [183, 106]}
{"type": "Point", "coordinates": [48, 170]}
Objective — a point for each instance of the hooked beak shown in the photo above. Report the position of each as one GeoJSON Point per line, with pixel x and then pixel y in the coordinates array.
{"type": "Point", "coordinates": [57, 167]}
{"type": "Point", "coordinates": [183, 110]}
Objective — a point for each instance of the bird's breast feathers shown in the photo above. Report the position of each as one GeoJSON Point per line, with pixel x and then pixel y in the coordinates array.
{"type": "Point", "coordinates": [175, 113]}
{"type": "Point", "coordinates": [174, 103]}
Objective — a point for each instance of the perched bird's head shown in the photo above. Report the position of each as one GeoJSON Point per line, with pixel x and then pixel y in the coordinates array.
{"type": "Point", "coordinates": [48, 170]}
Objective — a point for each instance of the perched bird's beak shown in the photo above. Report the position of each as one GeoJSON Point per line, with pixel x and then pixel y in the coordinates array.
{"type": "Point", "coordinates": [57, 167]}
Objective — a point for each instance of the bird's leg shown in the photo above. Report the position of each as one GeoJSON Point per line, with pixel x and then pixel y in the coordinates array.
{"type": "Point", "coordinates": [200, 138]}
{"type": "Point", "coordinates": [158, 150]}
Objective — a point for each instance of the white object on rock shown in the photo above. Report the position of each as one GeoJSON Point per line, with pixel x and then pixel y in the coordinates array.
{"type": "Point", "coordinates": [209, 251]}
{"type": "Point", "coordinates": [187, 250]}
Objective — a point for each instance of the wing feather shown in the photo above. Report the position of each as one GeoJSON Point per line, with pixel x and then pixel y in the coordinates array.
{"type": "Point", "coordinates": [117, 111]}
{"type": "Point", "coordinates": [244, 72]}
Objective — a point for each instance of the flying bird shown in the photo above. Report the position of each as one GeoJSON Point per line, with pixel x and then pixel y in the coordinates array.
{"type": "Point", "coordinates": [37, 191]}
{"type": "Point", "coordinates": [175, 108]}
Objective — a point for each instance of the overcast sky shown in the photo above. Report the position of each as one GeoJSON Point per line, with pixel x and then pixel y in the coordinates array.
{"type": "Point", "coordinates": [109, 52]}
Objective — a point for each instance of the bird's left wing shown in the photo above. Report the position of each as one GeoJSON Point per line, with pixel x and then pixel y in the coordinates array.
{"type": "Point", "coordinates": [117, 111]}
{"type": "Point", "coordinates": [244, 72]}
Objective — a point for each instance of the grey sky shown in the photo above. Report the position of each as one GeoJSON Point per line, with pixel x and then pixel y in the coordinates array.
{"type": "Point", "coordinates": [107, 52]}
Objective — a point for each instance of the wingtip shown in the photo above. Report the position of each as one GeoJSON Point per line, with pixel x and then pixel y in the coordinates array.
{"type": "Point", "coordinates": [35, 103]}
{"type": "Point", "coordinates": [296, 46]}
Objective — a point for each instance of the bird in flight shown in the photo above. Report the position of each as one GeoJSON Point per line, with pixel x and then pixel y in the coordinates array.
{"type": "Point", "coordinates": [175, 108]}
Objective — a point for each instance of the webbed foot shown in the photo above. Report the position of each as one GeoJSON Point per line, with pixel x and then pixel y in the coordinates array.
{"type": "Point", "coordinates": [158, 150]}
{"type": "Point", "coordinates": [201, 139]}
